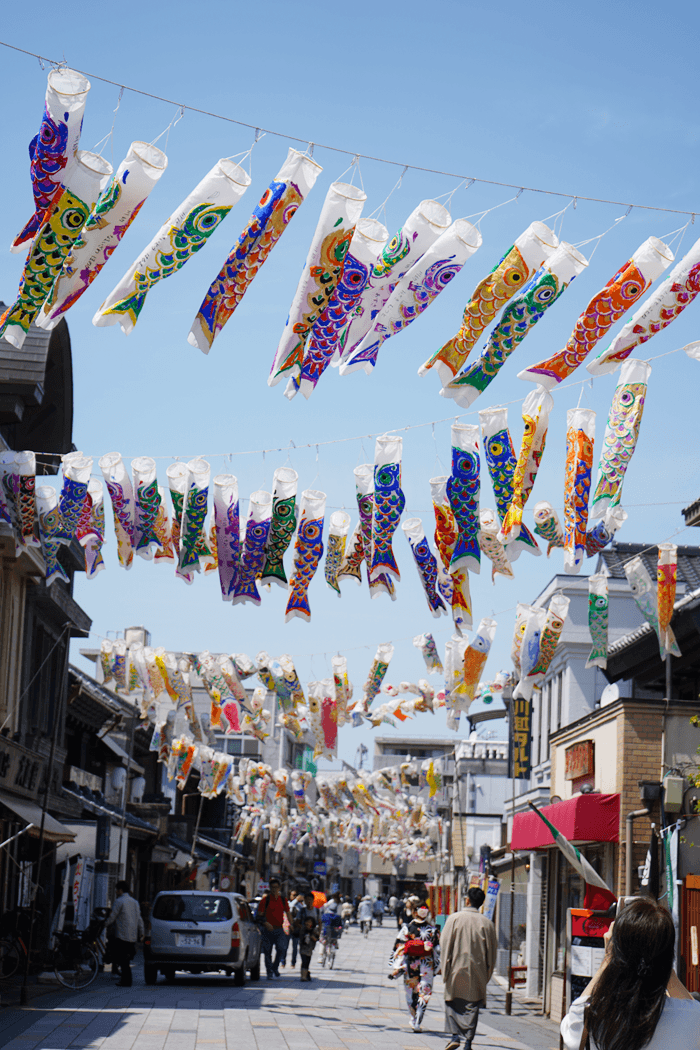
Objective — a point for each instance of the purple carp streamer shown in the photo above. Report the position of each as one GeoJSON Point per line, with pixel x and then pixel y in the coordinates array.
{"type": "Point", "coordinates": [257, 531]}
{"type": "Point", "coordinates": [228, 532]}
{"type": "Point", "coordinates": [426, 564]}
{"type": "Point", "coordinates": [417, 289]}
{"type": "Point", "coordinates": [420, 231]}
{"type": "Point", "coordinates": [275, 210]}
{"type": "Point", "coordinates": [322, 271]}
{"type": "Point", "coordinates": [327, 339]}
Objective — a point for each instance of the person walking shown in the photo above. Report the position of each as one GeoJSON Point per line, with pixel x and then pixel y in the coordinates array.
{"type": "Point", "coordinates": [126, 921]}
{"type": "Point", "coordinates": [307, 943]}
{"type": "Point", "coordinates": [271, 912]}
{"type": "Point", "coordinates": [469, 947]}
{"type": "Point", "coordinates": [379, 910]}
{"type": "Point", "coordinates": [417, 955]}
{"type": "Point", "coordinates": [296, 913]}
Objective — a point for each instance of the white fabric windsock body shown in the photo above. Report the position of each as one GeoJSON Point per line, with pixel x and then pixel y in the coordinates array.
{"type": "Point", "coordinates": [519, 317]}
{"type": "Point", "coordinates": [426, 563]}
{"type": "Point", "coordinates": [533, 620]}
{"type": "Point", "coordinates": [115, 209]}
{"type": "Point", "coordinates": [673, 295]}
{"type": "Point", "coordinates": [228, 529]}
{"type": "Point", "coordinates": [122, 495]}
{"type": "Point", "coordinates": [649, 260]}
{"type": "Point", "coordinates": [417, 289]}
{"type": "Point", "coordinates": [147, 505]}
{"type": "Point", "coordinates": [621, 433]}
{"type": "Point", "coordinates": [510, 275]}
{"type": "Point", "coordinates": [338, 528]}
{"type": "Point", "coordinates": [49, 518]}
{"type": "Point", "coordinates": [185, 232]}
{"type": "Point", "coordinates": [52, 151]}
{"type": "Point", "coordinates": [420, 231]}
{"type": "Point", "coordinates": [598, 619]}
{"type": "Point", "coordinates": [320, 275]}
{"type": "Point", "coordinates": [76, 475]}
{"type": "Point", "coordinates": [273, 213]}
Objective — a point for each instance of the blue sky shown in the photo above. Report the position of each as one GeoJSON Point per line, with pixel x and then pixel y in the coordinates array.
{"type": "Point", "coordinates": [594, 99]}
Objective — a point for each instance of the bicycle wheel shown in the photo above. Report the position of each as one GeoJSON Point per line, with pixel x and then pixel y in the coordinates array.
{"type": "Point", "coordinates": [323, 955]}
{"type": "Point", "coordinates": [331, 958]}
{"type": "Point", "coordinates": [75, 967]}
{"type": "Point", "coordinates": [9, 958]}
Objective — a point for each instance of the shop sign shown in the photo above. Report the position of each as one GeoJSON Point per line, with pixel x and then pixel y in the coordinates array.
{"type": "Point", "coordinates": [520, 738]}
{"type": "Point", "coordinates": [579, 760]}
{"type": "Point", "coordinates": [21, 770]}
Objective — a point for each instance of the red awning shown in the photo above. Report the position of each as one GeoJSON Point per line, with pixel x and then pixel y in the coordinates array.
{"type": "Point", "coordinates": [584, 818]}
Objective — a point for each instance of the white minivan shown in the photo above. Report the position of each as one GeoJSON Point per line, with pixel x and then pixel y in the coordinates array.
{"type": "Point", "coordinates": [199, 931]}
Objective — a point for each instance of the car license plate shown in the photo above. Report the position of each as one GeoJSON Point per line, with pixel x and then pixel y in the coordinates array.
{"type": "Point", "coordinates": [189, 940]}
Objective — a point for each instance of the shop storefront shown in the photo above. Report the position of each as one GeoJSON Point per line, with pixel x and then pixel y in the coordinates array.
{"type": "Point", "coordinates": [591, 822]}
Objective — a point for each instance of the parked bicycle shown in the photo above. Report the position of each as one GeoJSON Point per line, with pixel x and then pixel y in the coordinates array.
{"type": "Point", "coordinates": [74, 957]}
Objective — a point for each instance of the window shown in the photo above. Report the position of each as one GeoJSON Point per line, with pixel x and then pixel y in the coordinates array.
{"type": "Point", "coordinates": [186, 907]}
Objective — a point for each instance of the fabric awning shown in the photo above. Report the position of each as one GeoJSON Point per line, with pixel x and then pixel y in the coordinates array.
{"type": "Point", "coordinates": [584, 818]}
{"type": "Point", "coordinates": [30, 813]}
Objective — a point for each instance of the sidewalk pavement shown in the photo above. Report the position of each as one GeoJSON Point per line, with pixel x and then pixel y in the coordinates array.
{"type": "Point", "coordinates": [348, 1008]}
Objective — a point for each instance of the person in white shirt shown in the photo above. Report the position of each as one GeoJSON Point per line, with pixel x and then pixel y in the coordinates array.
{"type": "Point", "coordinates": [128, 928]}
{"type": "Point", "coordinates": [635, 999]}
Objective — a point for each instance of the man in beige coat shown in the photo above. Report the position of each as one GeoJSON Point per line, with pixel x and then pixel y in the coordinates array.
{"type": "Point", "coordinates": [468, 955]}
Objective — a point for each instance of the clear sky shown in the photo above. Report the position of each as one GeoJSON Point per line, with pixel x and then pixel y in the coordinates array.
{"type": "Point", "coordinates": [593, 99]}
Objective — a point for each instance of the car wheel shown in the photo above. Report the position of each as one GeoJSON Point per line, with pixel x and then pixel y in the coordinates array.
{"type": "Point", "coordinates": [150, 973]}
{"type": "Point", "coordinates": [239, 974]}
{"type": "Point", "coordinates": [169, 974]}
{"type": "Point", "coordinates": [255, 971]}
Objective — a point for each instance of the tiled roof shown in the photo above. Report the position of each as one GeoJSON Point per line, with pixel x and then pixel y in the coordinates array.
{"type": "Point", "coordinates": [615, 556]}
{"type": "Point", "coordinates": [686, 602]}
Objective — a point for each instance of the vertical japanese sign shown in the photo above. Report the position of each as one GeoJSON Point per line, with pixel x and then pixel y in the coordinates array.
{"type": "Point", "coordinates": [520, 720]}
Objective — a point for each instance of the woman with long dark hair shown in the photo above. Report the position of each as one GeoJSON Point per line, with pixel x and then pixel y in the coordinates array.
{"type": "Point", "coordinates": [635, 999]}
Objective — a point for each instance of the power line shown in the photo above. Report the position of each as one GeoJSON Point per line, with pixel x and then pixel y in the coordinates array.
{"type": "Point", "coordinates": [575, 197]}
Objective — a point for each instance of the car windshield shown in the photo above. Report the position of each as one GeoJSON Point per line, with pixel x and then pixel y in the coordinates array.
{"type": "Point", "coordinates": [186, 907]}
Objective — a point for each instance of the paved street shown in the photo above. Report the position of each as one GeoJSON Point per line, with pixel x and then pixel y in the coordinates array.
{"type": "Point", "coordinates": [348, 1008]}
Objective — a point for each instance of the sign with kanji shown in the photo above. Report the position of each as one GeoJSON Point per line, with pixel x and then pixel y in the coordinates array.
{"type": "Point", "coordinates": [579, 760]}
{"type": "Point", "coordinates": [520, 718]}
